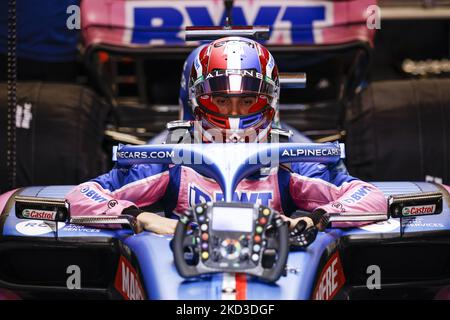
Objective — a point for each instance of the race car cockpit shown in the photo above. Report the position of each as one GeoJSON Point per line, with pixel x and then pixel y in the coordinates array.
{"type": "Point", "coordinates": [222, 248]}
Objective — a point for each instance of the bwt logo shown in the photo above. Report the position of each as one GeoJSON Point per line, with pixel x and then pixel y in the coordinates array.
{"type": "Point", "coordinates": [91, 194]}
{"type": "Point", "coordinates": [198, 195]}
{"type": "Point", "coordinates": [163, 24]}
{"type": "Point", "coordinates": [357, 195]}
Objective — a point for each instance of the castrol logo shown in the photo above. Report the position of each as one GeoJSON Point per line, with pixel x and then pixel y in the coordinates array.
{"type": "Point", "coordinates": [39, 214]}
{"type": "Point", "coordinates": [416, 210]}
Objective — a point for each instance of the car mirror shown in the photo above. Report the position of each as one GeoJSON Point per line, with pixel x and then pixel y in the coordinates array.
{"type": "Point", "coordinates": [48, 209]}
{"type": "Point", "coordinates": [413, 205]}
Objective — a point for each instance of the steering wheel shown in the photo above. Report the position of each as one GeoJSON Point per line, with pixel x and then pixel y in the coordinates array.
{"type": "Point", "coordinates": [259, 246]}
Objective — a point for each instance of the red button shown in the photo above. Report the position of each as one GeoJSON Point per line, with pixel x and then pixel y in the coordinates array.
{"type": "Point", "coordinates": [262, 220]}
{"type": "Point", "coordinates": [205, 236]}
{"type": "Point", "coordinates": [257, 239]}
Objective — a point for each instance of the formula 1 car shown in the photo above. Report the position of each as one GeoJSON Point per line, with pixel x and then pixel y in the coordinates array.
{"type": "Point", "coordinates": [47, 251]}
{"type": "Point", "coordinates": [43, 246]}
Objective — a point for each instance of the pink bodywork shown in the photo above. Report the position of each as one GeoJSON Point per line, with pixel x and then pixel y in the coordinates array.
{"type": "Point", "coordinates": [109, 22]}
{"type": "Point", "coordinates": [4, 199]}
{"type": "Point", "coordinates": [446, 187]}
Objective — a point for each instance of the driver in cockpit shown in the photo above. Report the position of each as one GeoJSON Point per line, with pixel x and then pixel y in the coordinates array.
{"type": "Point", "coordinates": [233, 92]}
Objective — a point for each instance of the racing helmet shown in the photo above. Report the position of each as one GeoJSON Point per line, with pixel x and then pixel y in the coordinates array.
{"type": "Point", "coordinates": [234, 90]}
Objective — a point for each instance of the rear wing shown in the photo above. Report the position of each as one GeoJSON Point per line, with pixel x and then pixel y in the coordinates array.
{"type": "Point", "coordinates": [147, 25]}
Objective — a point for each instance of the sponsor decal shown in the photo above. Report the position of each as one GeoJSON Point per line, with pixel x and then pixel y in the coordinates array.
{"type": "Point", "coordinates": [331, 279]}
{"type": "Point", "coordinates": [358, 195]}
{"type": "Point", "coordinates": [418, 222]}
{"type": "Point", "coordinates": [262, 198]}
{"type": "Point", "coordinates": [39, 214]}
{"type": "Point", "coordinates": [160, 22]}
{"type": "Point", "coordinates": [37, 227]}
{"type": "Point", "coordinates": [112, 203]}
{"type": "Point", "coordinates": [145, 154]}
{"type": "Point", "coordinates": [198, 195]}
{"type": "Point", "coordinates": [391, 225]}
{"type": "Point", "coordinates": [311, 152]}
{"type": "Point", "coordinates": [338, 206]}
{"type": "Point", "coordinates": [419, 210]}
{"type": "Point", "coordinates": [227, 72]}
{"type": "Point", "coordinates": [127, 281]}
{"type": "Point", "coordinates": [92, 194]}
{"type": "Point", "coordinates": [77, 228]}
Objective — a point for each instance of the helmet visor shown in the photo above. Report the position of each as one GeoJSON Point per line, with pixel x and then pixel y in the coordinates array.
{"type": "Point", "coordinates": [233, 105]}
{"type": "Point", "coordinates": [234, 82]}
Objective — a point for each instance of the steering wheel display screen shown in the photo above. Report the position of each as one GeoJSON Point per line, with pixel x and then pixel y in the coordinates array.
{"type": "Point", "coordinates": [232, 219]}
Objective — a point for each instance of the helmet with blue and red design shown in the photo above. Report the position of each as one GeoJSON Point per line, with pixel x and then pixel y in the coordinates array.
{"type": "Point", "coordinates": [234, 91]}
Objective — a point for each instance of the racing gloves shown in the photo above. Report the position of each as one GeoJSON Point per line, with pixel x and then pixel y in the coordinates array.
{"type": "Point", "coordinates": [305, 231]}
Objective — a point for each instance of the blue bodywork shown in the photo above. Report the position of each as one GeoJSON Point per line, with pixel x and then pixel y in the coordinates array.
{"type": "Point", "coordinates": [161, 280]}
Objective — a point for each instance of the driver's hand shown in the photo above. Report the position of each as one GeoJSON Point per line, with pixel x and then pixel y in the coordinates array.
{"type": "Point", "coordinates": [303, 230]}
{"type": "Point", "coordinates": [308, 222]}
{"type": "Point", "coordinates": [292, 223]}
{"type": "Point", "coordinates": [152, 222]}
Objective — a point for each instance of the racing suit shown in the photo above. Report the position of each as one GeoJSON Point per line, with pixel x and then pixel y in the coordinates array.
{"type": "Point", "coordinates": [304, 186]}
